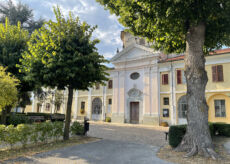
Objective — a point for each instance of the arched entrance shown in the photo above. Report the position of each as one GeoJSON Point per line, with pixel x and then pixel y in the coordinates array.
{"type": "Point", "coordinates": [182, 110]}
{"type": "Point", "coordinates": [96, 109]}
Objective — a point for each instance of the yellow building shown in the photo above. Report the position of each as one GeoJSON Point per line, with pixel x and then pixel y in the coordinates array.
{"type": "Point", "coordinates": [147, 87]}
{"type": "Point", "coordinates": [173, 88]}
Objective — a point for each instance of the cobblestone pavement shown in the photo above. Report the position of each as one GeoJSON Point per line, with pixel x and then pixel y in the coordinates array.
{"type": "Point", "coordinates": [134, 134]}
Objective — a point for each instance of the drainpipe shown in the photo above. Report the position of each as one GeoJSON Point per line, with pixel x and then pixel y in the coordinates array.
{"type": "Point", "coordinates": [172, 95]}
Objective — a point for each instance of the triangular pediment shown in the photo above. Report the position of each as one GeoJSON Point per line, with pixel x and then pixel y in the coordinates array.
{"type": "Point", "coordinates": [134, 52]}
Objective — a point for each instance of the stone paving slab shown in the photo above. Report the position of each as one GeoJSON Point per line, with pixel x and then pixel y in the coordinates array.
{"type": "Point", "coordinates": [100, 152]}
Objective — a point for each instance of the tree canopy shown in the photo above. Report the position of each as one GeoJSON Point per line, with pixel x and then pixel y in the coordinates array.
{"type": "Point", "coordinates": [8, 89]}
{"type": "Point", "coordinates": [19, 13]}
{"type": "Point", "coordinates": [166, 22]}
{"type": "Point", "coordinates": [13, 42]}
{"type": "Point", "coordinates": [62, 54]}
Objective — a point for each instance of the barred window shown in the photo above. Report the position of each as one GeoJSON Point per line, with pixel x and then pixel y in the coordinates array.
{"type": "Point", "coordinates": [220, 110]}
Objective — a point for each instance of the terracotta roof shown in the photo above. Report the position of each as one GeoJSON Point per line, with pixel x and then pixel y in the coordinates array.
{"type": "Point", "coordinates": [181, 57]}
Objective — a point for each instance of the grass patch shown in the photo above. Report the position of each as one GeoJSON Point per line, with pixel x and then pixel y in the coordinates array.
{"type": "Point", "coordinates": [40, 148]}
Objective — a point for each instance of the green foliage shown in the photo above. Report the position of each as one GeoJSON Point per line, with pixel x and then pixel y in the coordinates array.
{"type": "Point", "coordinates": [63, 54]}
{"type": "Point", "coordinates": [58, 129]}
{"type": "Point", "coordinates": [13, 41]}
{"type": "Point", "coordinates": [24, 133]}
{"type": "Point", "coordinates": [2, 133]}
{"type": "Point", "coordinates": [108, 119]}
{"type": "Point", "coordinates": [176, 133]}
{"type": "Point", "coordinates": [167, 22]}
{"type": "Point", "coordinates": [77, 128]}
{"type": "Point", "coordinates": [16, 119]}
{"type": "Point", "coordinates": [222, 129]}
{"type": "Point", "coordinates": [45, 129]}
{"type": "Point", "coordinates": [19, 13]}
{"type": "Point", "coordinates": [35, 132]}
{"type": "Point", "coordinates": [8, 90]}
{"type": "Point", "coordinates": [11, 135]}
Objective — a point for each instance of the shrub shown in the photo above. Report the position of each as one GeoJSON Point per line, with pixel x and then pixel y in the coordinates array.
{"type": "Point", "coordinates": [47, 116]}
{"type": "Point", "coordinates": [24, 133]}
{"type": "Point", "coordinates": [2, 133]}
{"type": "Point", "coordinates": [108, 119]}
{"type": "Point", "coordinates": [222, 129]}
{"type": "Point", "coordinates": [11, 135]}
{"type": "Point", "coordinates": [57, 129]}
{"type": "Point", "coordinates": [177, 132]}
{"type": "Point", "coordinates": [45, 129]}
{"type": "Point", "coordinates": [77, 128]}
{"type": "Point", "coordinates": [15, 119]}
{"type": "Point", "coordinates": [35, 128]}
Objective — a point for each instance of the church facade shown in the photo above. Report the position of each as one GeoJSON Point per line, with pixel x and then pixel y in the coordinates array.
{"type": "Point", "coordinates": [148, 87]}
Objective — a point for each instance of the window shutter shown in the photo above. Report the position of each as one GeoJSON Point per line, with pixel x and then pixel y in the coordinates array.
{"type": "Point", "coordinates": [214, 74]}
{"type": "Point", "coordinates": [220, 73]}
{"type": "Point", "coordinates": [179, 80]}
{"type": "Point", "coordinates": [166, 80]}
{"type": "Point", "coordinates": [163, 79]}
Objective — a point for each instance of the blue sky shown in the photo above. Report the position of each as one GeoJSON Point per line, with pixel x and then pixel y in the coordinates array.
{"type": "Point", "coordinates": [108, 30]}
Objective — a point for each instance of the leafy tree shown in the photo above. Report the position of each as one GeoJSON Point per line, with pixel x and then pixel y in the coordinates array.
{"type": "Point", "coordinates": [195, 27]}
{"type": "Point", "coordinates": [19, 13]}
{"type": "Point", "coordinates": [13, 41]}
{"type": "Point", "coordinates": [8, 92]}
{"type": "Point", "coordinates": [61, 54]}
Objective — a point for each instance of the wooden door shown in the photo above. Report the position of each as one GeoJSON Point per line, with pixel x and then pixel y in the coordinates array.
{"type": "Point", "coordinates": [134, 112]}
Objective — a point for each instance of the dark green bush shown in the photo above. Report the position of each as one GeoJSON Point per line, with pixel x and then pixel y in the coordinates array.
{"type": "Point", "coordinates": [177, 132]}
{"type": "Point", "coordinates": [77, 128]}
{"type": "Point", "coordinates": [222, 129]}
{"type": "Point", "coordinates": [47, 116]}
{"type": "Point", "coordinates": [15, 119]}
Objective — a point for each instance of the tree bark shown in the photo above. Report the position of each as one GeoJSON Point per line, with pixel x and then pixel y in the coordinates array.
{"type": "Point", "coordinates": [197, 138]}
{"type": "Point", "coordinates": [68, 114]}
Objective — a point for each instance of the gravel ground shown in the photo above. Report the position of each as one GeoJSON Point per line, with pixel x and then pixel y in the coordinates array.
{"type": "Point", "coordinates": [129, 133]}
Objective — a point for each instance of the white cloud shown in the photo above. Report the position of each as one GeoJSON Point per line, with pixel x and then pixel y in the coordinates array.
{"type": "Point", "coordinates": [108, 30]}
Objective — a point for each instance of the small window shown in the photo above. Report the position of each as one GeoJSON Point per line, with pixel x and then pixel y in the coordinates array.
{"type": "Point", "coordinates": [82, 105]}
{"type": "Point", "coordinates": [165, 112]}
{"type": "Point", "coordinates": [134, 75]}
{"type": "Point", "coordinates": [217, 73]}
{"type": "Point", "coordinates": [97, 86]}
{"type": "Point", "coordinates": [47, 106]}
{"type": "Point", "coordinates": [110, 101]}
{"type": "Point", "coordinates": [166, 101]}
{"type": "Point", "coordinates": [220, 108]}
{"type": "Point", "coordinates": [110, 84]}
{"type": "Point", "coordinates": [165, 79]}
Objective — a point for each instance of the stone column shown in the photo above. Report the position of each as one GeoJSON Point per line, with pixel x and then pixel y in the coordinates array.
{"type": "Point", "coordinates": [75, 105]}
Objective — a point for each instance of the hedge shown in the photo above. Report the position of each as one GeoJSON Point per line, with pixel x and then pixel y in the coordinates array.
{"type": "Point", "coordinates": [177, 132]}
{"type": "Point", "coordinates": [33, 133]}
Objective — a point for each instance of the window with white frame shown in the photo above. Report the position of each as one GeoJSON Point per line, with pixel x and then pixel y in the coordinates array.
{"type": "Point", "coordinates": [220, 108]}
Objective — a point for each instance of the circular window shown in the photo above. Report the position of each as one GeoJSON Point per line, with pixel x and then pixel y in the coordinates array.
{"type": "Point", "coordinates": [134, 75]}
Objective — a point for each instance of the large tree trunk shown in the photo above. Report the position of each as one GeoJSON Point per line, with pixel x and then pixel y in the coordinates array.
{"type": "Point", "coordinates": [197, 138]}
{"type": "Point", "coordinates": [68, 114]}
